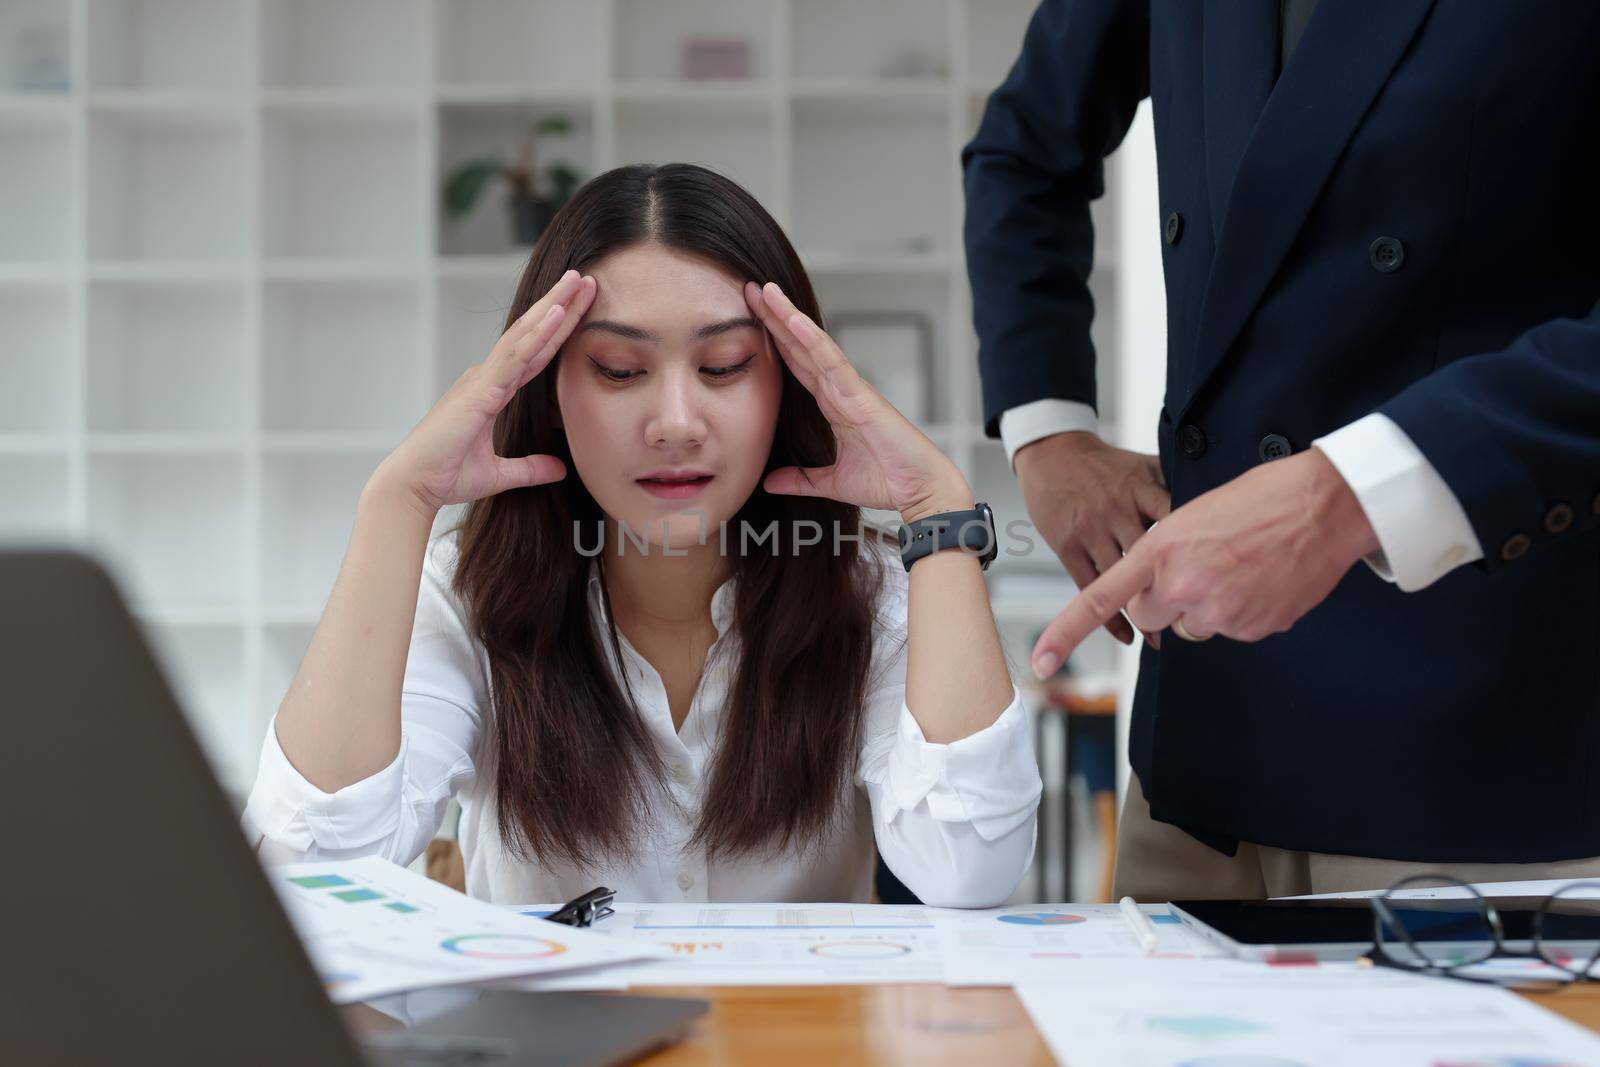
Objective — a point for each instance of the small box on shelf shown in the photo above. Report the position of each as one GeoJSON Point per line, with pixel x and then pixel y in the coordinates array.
{"type": "Point", "coordinates": [893, 311]}
{"type": "Point", "coordinates": [167, 186]}
{"type": "Point", "coordinates": [341, 356]}
{"type": "Point", "coordinates": [166, 358]}
{"type": "Point", "coordinates": [35, 370]}
{"type": "Point", "coordinates": [308, 509]}
{"type": "Point", "coordinates": [885, 39]}
{"type": "Point", "coordinates": [517, 42]}
{"type": "Point", "coordinates": [341, 184]}
{"type": "Point", "coordinates": [36, 205]}
{"type": "Point", "coordinates": [348, 43]}
{"type": "Point", "coordinates": [168, 44]}
{"type": "Point", "coordinates": [692, 40]}
{"type": "Point", "coordinates": [35, 47]}
{"type": "Point", "coordinates": [171, 524]}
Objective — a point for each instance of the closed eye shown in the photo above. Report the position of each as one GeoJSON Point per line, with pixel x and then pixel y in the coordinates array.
{"type": "Point", "coordinates": [728, 372]}
{"type": "Point", "coordinates": [614, 375]}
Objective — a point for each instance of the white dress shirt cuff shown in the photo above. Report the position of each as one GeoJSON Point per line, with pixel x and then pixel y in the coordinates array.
{"type": "Point", "coordinates": [292, 812]}
{"type": "Point", "coordinates": [1423, 532]}
{"type": "Point", "coordinates": [989, 779]}
{"type": "Point", "coordinates": [1038, 419]}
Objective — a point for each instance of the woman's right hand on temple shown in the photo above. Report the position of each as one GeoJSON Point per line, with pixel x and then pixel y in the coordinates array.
{"type": "Point", "coordinates": [449, 457]}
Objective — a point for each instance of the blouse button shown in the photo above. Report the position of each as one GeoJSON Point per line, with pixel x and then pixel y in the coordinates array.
{"type": "Point", "coordinates": [685, 881]}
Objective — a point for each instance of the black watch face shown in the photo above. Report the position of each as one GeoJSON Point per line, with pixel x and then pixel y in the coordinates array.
{"type": "Point", "coordinates": [994, 537]}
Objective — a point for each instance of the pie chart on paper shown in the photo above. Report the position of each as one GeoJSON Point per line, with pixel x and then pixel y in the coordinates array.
{"type": "Point", "coordinates": [1041, 918]}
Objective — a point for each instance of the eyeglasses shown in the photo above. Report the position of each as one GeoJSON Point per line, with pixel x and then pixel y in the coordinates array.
{"type": "Point", "coordinates": [1437, 925]}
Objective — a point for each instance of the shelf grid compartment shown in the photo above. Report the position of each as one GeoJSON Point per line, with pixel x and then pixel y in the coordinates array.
{"type": "Point", "coordinates": [341, 43]}
{"type": "Point", "coordinates": [205, 664]}
{"type": "Point", "coordinates": [879, 302]}
{"type": "Point", "coordinates": [169, 524]}
{"type": "Point", "coordinates": [731, 136]}
{"type": "Point", "coordinates": [340, 357]}
{"type": "Point", "coordinates": [995, 29]}
{"type": "Point", "coordinates": [168, 44]}
{"type": "Point", "coordinates": [472, 316]}
{"type": "Point", "coordinates": [884, 39]}
{"type": "Point", "coordinates": [308, 509]}
{"type": "Point", "coordinates": [166, 358]}
{"type": "Point", "coordinates": [654, 37]}
{"type": "Point", "coordinates": [872, 177]}
{"type": "Point", "coordinates": [34, 48]}
{"type": "Point", "coordinates": [473, 131]}
{"type": "Point", "coordinates": [35, 193]}
{"type": "Point", "coordinates": [341, 184]}
{"type": "Point", "coordinates": [166, 186]}
{"type": "Point", "coordinates": [35, 359]}
{"type": "Point", "coordinates": [518, 42]}
{"type": "Point", "coordinates": [35, 494]}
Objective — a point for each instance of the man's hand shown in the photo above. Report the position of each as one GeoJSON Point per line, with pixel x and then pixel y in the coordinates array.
{"type": "Point", "coordinates": [1245, 560]}
{"type": "Point", "coordinates": [1091, 502]}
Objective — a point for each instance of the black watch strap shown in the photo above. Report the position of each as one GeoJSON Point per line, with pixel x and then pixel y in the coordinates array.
{"type": "Point", "coordinates": [972, 530]}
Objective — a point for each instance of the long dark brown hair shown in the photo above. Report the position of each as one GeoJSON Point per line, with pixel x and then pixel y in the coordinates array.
{"type": "Point", "coordinates": [576, 770]}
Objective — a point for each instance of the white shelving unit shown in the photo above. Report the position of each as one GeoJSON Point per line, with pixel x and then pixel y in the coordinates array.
{"type": "Point", "coordinates": [227, 288]}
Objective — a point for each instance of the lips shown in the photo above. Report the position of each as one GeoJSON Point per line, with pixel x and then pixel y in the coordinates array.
{"type": "Point", "coordinates": [675, 485]}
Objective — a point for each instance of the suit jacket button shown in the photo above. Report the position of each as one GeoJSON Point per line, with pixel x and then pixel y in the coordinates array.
{"type": "Point", "coordinates": [1558, 518]}
{"type": "Point", "coordinates": [1386, 254]}
{"type": "Point", "coordinates": [1173, 230]}
{"type": "Point", "coordinates": [1515, 546]}
{"type": "Point", "coordinates": [1274, 446]}
{"type": "Point", "coordinates": [1192, 440]}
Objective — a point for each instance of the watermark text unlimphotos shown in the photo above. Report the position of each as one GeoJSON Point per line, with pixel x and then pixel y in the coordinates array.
{"type": "Point", "coordinates": [744, 538]}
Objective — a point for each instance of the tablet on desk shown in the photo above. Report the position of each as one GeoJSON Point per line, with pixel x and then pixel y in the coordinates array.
{"type": "Point", "coordinates": [1302, 930]}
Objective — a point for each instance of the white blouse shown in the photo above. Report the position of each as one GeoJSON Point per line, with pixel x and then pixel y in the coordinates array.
{"type": "Point", "coordinates": [955, 822]}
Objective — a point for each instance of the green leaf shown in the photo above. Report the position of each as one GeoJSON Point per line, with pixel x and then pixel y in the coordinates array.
{"type": "Point", "coordinates": [467, 182]}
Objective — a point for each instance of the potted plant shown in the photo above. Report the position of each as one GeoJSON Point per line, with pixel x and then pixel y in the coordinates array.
{"type": "Point", "coordinates": [535, 195]}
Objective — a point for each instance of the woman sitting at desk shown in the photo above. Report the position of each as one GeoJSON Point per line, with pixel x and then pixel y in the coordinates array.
{"type": "Point", "coordinates": [684, 673]}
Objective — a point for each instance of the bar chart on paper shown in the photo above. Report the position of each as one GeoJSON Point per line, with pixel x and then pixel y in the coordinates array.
{"type": "Point", "coordinates": [373, 928]}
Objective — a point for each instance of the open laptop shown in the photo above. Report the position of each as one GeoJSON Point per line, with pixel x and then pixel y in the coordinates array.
{"type": "Point", "coordinates": [138, 927]}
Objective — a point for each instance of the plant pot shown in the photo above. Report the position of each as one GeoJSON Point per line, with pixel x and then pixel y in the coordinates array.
{"type": "Point", "coordinates": [529, 216]}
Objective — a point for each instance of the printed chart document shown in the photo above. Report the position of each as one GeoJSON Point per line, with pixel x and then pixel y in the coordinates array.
{"type": "Point", "coordinates": [1226, 1012]}
{"type": "Point", "coordinates": [372, 928]}
{"type": "Point", "coordinates": [771, 944]}
{"type": "Point", "coordinates": [1048, 943]}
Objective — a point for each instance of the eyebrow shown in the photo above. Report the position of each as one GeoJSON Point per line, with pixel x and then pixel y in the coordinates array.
{"type": "Point", "coordinates": [636, 333]}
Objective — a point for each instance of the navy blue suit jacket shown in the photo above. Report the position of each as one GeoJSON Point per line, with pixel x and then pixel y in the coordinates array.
{"type": "Point", "coordinates": [1458, 723]}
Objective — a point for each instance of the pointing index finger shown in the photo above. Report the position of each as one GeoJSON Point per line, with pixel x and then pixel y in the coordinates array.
{"type": "Point", "coordinates": [1092, 608]}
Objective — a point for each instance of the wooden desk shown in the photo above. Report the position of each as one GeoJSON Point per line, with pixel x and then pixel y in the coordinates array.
{"type": "Point", "coordinates": [920, 1025]}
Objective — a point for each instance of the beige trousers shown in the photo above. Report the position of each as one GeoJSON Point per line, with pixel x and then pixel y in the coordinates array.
{"type": "Point", "coordinates": [1157, 862]}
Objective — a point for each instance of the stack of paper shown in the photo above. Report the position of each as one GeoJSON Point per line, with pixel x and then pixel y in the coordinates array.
{"type": "Point", "coordinates": [373, 928]}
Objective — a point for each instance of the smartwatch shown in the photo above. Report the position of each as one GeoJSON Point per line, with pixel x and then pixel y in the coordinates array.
{"type": "Point", "coordinates": [972, 531]}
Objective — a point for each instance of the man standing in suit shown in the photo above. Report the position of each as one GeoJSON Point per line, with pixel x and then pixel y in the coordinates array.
{"type": "Point", "coordinates": [1381, 247]}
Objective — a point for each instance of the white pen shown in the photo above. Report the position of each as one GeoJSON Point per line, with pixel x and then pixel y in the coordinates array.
{"type": "Point", "coordinates": [1139, 923]}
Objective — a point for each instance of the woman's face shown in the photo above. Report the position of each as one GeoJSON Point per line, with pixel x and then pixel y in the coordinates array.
{"type": "Point", "coordinates": [669, 394]}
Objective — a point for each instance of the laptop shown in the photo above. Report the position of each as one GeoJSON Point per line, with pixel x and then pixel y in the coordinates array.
{"type": "Point", "coordinates": [138, 927]}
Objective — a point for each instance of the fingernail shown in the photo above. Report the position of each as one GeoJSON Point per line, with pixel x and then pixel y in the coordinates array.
{"type": "Point", "coordinates": [1046, 664]}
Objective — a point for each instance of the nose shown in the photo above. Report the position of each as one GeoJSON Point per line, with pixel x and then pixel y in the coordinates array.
{"type": "Point", "coordinates": [676, 419]}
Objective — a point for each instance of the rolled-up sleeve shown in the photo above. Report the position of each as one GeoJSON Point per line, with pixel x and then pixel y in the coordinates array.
{"type": "Point", "coordinates": [395, 812]}
{"type": "Point", "coordinates": [955, 822]}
